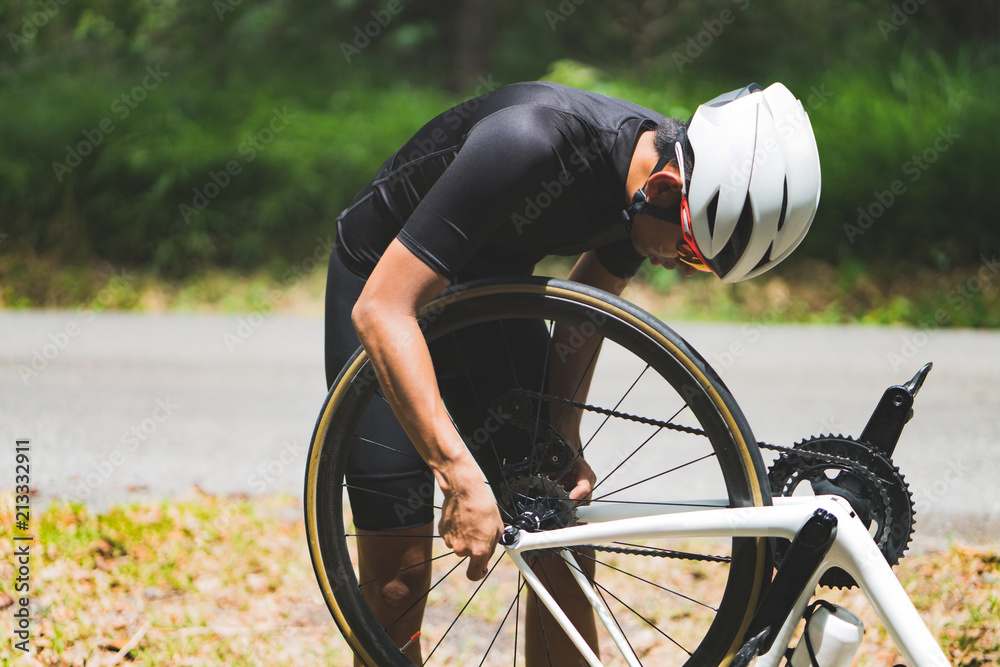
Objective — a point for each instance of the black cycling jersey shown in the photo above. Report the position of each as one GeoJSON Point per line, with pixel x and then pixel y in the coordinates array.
{"type": "Point", "coordinates": [485, 189]}
{"type": "Point", "coordinates": [493, 185]}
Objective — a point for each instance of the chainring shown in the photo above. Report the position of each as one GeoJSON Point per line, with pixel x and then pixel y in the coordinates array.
{"type": "Point", "coordinates": [874, 487]}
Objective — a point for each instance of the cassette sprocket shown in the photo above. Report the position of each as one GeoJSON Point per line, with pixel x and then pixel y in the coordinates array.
{"type": "Point", "coordinates": [874, 487]}
{"type": "Point", "coordinates": [541, 504]}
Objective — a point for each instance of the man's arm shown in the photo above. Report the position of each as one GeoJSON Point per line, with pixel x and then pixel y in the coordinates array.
{"type": "Point", "coordinates": [589, 271]}
{"type": "Point", "coordinates": [572, 370]}
{"type": "Point", "coordinates": [385, 317]}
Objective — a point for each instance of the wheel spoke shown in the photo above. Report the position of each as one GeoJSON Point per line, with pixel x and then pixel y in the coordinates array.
{"type": "Point", "coordinates": [479, 409]}
{"type": "Point", "coordinates": [410, 567]}
{"type": "Point", "coordinates": [388, 495]}
{"type": "Point", "coordinates": [394, 450]}
{"type": "Point", "coordinates": [647, 581]}
{"type": "Point", "coordinates": [660, 474]}
{"type": "Point", "coordinates": [424, 596]}
{"type": "Point", "coordinates": [625, 460]}
{"type": "Point", "coordinates": [644, 619]}
{"type": "Point", "coordinates": [513, 603]}
{"type": "Point", "coordinates": [615, 409]}
{"type": "Point", "coordinates": [465, 606]}
{"type": "Point", "coordinates": [517, 612]}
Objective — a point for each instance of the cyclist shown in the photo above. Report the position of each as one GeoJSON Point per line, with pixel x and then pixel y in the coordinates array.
{"type": "Point", "coordinates": [487, 189]}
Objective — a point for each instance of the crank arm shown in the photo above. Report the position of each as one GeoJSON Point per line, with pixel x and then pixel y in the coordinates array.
{"type": "Point", "coordinates": [891, 414]}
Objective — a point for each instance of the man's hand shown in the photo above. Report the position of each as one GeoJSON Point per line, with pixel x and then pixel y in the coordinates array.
{"type": "Point", "coordinates": [470, 521]}
{"type": "Point", "coordinates": [579, 481]}
{"type": "Point", "coordinates": [673, 263]}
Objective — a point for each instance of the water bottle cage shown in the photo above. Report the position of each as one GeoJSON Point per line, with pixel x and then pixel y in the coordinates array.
{"type": "Point", "coordinates": [807, 616]}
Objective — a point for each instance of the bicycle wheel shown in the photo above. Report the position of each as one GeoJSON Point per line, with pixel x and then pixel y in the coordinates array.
{"type": "Point", "coordinates": [659, 429]}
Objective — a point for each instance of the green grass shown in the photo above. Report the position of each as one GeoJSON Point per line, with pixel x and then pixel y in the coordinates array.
{"type": "Point", "coordinates": [807, 291]}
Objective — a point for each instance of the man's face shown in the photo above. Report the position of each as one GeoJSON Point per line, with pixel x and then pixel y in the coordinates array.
{"type": "Point", "coordinates": [658, 239]}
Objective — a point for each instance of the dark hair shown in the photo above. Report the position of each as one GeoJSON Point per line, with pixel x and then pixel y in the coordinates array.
{"type": "Point", "coordinates": [669, 132]}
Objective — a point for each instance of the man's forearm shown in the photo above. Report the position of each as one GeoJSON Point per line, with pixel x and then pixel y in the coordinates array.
{"type": "Point", "coordinates": [404, 368]}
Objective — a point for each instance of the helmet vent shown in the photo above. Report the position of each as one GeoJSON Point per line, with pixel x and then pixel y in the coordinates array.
{"type": "Point", "coordinates": [738, 241]}
{"type": "Point", "coordinates": [713, 207]}
{"type": "Point", "coordinates": [784, 208]}
{"type": "Point", "coordinates": [744, 228]}
{"type": "Point", "coordinates": [765, 259]}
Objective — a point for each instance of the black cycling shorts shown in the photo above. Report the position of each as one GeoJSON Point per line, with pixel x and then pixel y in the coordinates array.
{"type": "Point", "coordinates": [391, 487]}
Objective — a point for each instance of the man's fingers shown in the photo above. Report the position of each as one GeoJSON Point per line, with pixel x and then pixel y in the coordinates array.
{"type": "Point", "coordinates": [479, 565]}
{"type": "Point", "coordinates": [581, 490]}
{"type": "Point", "coordinates": [477, 569]}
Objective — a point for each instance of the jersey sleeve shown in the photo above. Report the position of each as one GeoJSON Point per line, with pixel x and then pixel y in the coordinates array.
{"type": "Point", "coordinates": [620, 258]}
{"type": "Point", "coordinates": [504, 157]}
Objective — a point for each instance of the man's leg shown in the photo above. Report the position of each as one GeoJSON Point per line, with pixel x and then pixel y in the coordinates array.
{"type": "Point", "coordinates": [394, 571]}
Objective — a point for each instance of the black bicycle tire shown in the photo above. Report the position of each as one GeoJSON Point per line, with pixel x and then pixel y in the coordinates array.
{"type": "Point", "coordinates": [480, 301]}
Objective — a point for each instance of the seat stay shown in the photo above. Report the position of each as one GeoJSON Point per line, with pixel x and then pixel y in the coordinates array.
{"type": "Point", "coordinates": [601, 609]}
{"type": "Point", "coordinates": [557, 613]}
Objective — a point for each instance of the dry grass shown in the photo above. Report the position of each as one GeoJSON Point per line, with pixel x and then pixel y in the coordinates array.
{"type": "Point", "coordinates": [213, 581]}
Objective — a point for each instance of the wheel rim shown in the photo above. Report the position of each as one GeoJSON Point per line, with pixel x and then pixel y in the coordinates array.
{"type": "Point", "coordinates": [675, 610]}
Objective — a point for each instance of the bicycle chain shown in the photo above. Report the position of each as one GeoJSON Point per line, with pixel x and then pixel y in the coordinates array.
{"type": "Point", "coordinates": [659, 553]}
{"type": "Point", "coordinates": [840, 460]}
{"type": "Point", "coordinates": [686, 429]}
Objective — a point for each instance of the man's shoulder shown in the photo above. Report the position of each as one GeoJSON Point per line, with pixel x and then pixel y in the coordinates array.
{"type": "Point", "coordinates": [535, 97]}
{"type": "Point", "coordinates": [588, 105]}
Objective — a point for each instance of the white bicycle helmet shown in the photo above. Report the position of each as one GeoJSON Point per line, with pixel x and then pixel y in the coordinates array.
{"type": "Point", "coordinates": [755, 184]}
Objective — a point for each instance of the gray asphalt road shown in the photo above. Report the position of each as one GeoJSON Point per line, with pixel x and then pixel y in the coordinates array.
{"type": "Point", "coordinates": [120, 406]}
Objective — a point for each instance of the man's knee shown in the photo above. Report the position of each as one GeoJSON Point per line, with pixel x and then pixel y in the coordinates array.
{"type": "Point", "coordinates": [406, 585]}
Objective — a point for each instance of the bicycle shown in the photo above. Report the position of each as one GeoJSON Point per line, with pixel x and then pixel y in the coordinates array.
{"type": "Point", "coordinates": [685, 525]}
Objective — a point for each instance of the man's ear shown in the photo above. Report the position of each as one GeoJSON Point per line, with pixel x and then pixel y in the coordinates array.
{"type": "Point", "coordinates": [664, 182]}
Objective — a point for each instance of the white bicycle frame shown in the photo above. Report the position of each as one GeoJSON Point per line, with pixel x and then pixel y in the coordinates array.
{"type": "Point", "coordinates": [853, 551]}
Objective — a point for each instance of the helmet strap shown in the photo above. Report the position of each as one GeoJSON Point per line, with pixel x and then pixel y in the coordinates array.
{"type": "Point", "coordinates": [641, 205]}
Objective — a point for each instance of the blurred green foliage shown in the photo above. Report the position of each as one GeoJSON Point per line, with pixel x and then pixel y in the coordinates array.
{"type": "Point", "coordinates": [183, 134]}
